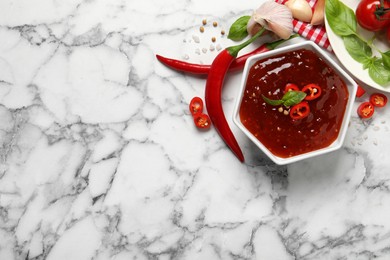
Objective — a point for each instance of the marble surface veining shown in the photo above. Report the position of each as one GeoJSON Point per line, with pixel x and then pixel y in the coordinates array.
{"type": "Point", "coordinates": [100, 158]}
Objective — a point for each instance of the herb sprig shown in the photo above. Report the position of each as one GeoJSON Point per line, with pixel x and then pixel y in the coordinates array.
{"type": "Point", "coordinates": [342, 21]}
{"type": "Point", "coordinates": [290, 98]}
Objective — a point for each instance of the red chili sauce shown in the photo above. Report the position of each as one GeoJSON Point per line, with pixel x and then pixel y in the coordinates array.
{"type": "Point", "coordinates": [282, 135]}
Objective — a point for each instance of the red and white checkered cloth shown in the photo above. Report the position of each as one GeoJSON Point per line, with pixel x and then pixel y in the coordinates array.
{"type": "Point", "coordinates": [316, 34]}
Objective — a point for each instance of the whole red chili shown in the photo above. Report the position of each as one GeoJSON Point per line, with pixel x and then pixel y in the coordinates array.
{"type": "Point", "coordinates": [213, 92]}
{"type": "Point", "coordinates": [202, 69]}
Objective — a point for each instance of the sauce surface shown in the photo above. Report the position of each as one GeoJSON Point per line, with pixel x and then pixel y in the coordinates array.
{"type": "Point", "coordinates": [283, 136]}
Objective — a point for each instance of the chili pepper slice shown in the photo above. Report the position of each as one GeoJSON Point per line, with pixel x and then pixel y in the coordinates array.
{"type": "Point", "coordinates": [300, 110]}
{"type": "Point", "coordinates": [366, 110]}
{"type": "Point", "coordinates": [312, 91]}
{"type": "Point", "coordinates": [213, 92]}
{"type": "Point", "coordinates": [378, 99]}
{"type": "Point", "coordinates": [360, 91]}
{"type": "Point", "coordinates": [291, 86]}
{"type": "Point", "coordinates": [202, 121]}
{"type": "Point", "coordinates": [196, 105]}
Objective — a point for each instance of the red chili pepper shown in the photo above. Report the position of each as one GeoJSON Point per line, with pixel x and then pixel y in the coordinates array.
{"type": "Point", "coordinates": [312, 91]}
{"type": "Point", "coordinates": [202, 121]}
{"type": "Point", "coordinates": [213, 92]}
{"type": "Point", "coordinates": [290, 86]}
{"type": "Point", "coordinates": [360, 91]}
{"type": "Point", "coordinates": [378, 99]}
{"type": "Point", "coordinates": [196, 105]}
{"type": "Point", "coordinates": [202, 69]}
{"type": "Point", "coordinates": [366, 110]}
{"type": "Point", "coordinates": [300, 110]}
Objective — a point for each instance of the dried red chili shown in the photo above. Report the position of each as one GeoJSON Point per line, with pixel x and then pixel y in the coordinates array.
{"type": "Point", "coordinates": [378, 99]}
{"type": "Point", "coordinates": [202, 69]}
{"type": "Point", "coordinates": [312, 91]}
{"type": "Point", "coordinates": [366, 110]}
{"type": "Point", "coordinates": [196, 105]}
{"type": "Point", "coordinates": [300, 110]}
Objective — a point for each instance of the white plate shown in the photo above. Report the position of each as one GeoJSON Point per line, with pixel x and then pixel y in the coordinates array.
{"type": "Point", "coordinates": [354, 67]}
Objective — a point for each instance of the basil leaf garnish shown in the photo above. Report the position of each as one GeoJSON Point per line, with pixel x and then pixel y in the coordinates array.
{"type": "Point", "coordinates": [386, 59]}
{"type": "Point", "coordinates": [289, 99]}
{"type": "Point", "coordinates": [238, 30]}
{"type": "Point", "coordinates": [378, 72]}
{"type": "Point", "coordinates": [340, 17]}
{"type": "Point", "coordinates": [357, 48]}
{"type": "Point", "coordinates": [293, 97]}
{"type": "Point", "coordinates": [272, 102]}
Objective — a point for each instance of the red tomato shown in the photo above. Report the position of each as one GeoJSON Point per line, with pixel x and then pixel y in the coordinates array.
{"type": "Point", "coordinates": [196, 105]}
{"type": "Point", "coordinates": [378, 99]}
{"type": "Point", "coordinates": [388, 33]}
{"type": "Point", "coordinates": [372, 16]}
{"type": "Point", "coordinates": [366, 110]}
{"type": "Point", "coordinates": [312, 91]}
{"type": "Point", "coordinates": [300, 110]}
{"type": "Point", "coordinates": [291, 86]}
{"type": "Point", "coordinates": [202, 121]}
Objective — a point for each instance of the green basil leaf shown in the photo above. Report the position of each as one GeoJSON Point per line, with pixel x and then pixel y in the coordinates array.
{"type": "Point", "coordinates": [238, 30]}
{"type": "Point", "coordinates": [340, 17]}
{"type": "Point", "coordinates": [293, 97]}
{"type": "Point", "coordinates": [378, 72]}
{"type": "Point", "coordinates": [358, 49]}
{"type": "Point", "coordinates": [272, 102]}
{"type": "Point", "coordinates": [386, 59]}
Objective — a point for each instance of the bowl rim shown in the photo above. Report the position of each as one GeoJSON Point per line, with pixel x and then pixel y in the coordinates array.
{"type": "Point", "coordinates": [351, 87]}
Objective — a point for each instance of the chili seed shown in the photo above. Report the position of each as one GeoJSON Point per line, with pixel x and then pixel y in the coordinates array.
{"type": "Point", "coordinates": [280, 109]}
{"type": "Point", "coordinates": [215, 24]}
{"type": "Point", "coordinates": [201, 29]}
{"type": "Point", "coordinates": [223, 32]}
{"type": "Point", "coordinates": [204, 21]}
{"type": "Point", "coordinates": [286, 112]}
{"type": "Point", "coordinates": [213, 39]}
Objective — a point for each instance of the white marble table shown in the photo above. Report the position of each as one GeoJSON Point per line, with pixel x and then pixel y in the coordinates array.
{"type": "Point", "coordinates": [101, 160]}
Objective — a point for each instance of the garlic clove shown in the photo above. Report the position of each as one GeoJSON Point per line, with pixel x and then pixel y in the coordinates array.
{"type": "Point", "coordinates": [318, 15]}
{"type": "Point", "coordinates": [279, 30]}
{"type": "Point", "coordinates": [300, 10]}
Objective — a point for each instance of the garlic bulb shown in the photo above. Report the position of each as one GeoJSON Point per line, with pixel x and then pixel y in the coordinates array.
{"type": "Point", "coordinates": [275, 17]}
{"type": "Point", "coordinates": [300, 9]}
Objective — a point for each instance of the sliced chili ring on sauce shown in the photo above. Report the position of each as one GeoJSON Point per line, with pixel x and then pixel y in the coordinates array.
{"type": "Point", "coordinates": [300, 110]}
{"type": "Point", "coordinates": [202, 121]}
{"type": "Point", "coordinates": [196, 105]}
{"type": "Point", "coordinates": [366, 110]}
{"type": "Point", "coordinates": [312, 91]}
{"type": "Point", "coordinates": [378, 99]}
{"type": "Point", "coordinates": [291, 86]}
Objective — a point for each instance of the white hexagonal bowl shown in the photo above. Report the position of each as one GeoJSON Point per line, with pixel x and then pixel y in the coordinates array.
{"type": "Point", "coordinates": [351, 85]}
